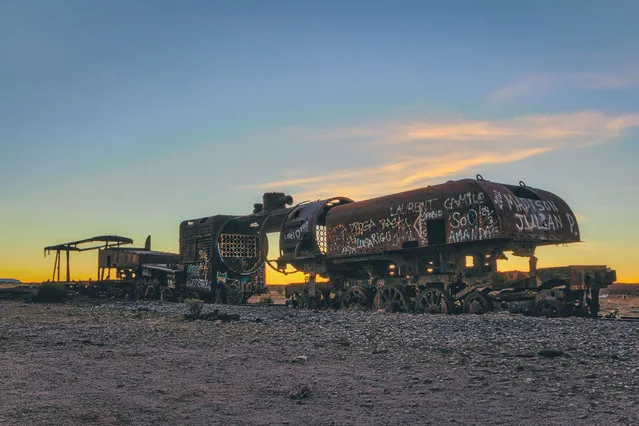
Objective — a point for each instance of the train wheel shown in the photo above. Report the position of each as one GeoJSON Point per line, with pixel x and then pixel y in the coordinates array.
{"type": "Point", "coordinates": [166, 295]}
{"type": "Point", "coordinates": [356, 297]}
{"type": "Point", "coordinates": [316, 300]}
{"type": "Point", "coordinates": [433, 301]}
{"type": "Point", "coordinates": [548, 307]}
{"type": "Point", "coordinates": [152, 289]}
{"type": "Point", "coordinates": [391, 299]}
{"type": "Point", "coordinates": [476, 303]}
{"type": "Point", "coordinates": [234, 294]}
{"type": "Point", "coordinates": [140, 289]}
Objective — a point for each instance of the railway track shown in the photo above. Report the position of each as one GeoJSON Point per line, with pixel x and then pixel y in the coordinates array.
{"type": "Point", "coordinates": [621, 318]}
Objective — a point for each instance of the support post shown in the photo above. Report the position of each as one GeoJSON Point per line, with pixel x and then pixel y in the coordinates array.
{"type": "Point", "coordinates": [312, 290]}
{"type": "Point", "coordinates": [68, 270]}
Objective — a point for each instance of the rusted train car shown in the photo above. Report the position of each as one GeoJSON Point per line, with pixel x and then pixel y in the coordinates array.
{"type": "Point", "coordinates": [436, 250]}
{"type": "Point", "coordinates": [223, 257]}
{"type": "Point", "coordinates": [144, 273]}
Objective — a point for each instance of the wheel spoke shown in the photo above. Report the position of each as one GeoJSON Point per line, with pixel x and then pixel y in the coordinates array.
{"type": "Point", "coordinates": [433, 301]}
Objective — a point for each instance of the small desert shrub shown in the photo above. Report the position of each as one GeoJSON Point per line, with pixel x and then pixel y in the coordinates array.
{"type": "Point", "coordinates": [193, 307]}
{"type": "Point", "coordinates": [266, 299]}
{"type": "Point", "coordinates": [50, 293]}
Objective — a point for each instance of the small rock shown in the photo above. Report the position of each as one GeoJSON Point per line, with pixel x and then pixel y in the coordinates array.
{"type": "Point", "coordinates": [550, 353]}
{"type": "Point", "coordinates": [300, 391]}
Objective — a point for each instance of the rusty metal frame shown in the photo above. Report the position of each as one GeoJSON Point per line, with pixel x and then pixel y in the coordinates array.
{"type": "Point", "coordinates": [108, 240]}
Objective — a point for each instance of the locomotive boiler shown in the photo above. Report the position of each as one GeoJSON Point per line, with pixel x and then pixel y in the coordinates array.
{"type": "Point", "coordinates": [436, 250]}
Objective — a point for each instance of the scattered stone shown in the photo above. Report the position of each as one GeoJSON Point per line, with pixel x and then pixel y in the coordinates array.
{"type": "Point", "coordinates": [513, 370]}
{"type": "Point", "coordinates": [343, 341]}
{"type": "Point", "coordinates": [301, 391]}
{"type": "Point", "coordinates": [550, 353]}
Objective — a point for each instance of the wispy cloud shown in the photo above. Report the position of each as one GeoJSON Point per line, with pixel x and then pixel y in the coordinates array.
{"type": "Point", "coordinates": [545, 82]}
{"type": "Point", "coordinates": [400, 156]}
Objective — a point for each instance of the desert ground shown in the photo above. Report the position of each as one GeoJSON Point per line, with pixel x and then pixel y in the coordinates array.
{"type": "Point", "coordinates": [107, 362]}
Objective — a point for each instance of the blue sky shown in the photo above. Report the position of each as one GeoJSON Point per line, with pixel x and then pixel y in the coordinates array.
{"type": "Point", "coordinates": [128, 117]}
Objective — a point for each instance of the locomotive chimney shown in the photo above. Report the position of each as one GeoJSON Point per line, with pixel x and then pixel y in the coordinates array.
{"type": "Point", "coordinates": [276, 200]}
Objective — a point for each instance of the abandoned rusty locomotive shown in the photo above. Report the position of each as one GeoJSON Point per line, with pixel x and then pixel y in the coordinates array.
{"type": "Point", "coordinates": [436, 250]}
{"type": "Point", "coordinates": [433, 250]}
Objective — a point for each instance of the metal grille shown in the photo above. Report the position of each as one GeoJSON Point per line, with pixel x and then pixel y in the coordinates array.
{"type": "Point", "coordinates": [240, 252]}
{"type": "Point", "coordinates": [205, 230]}
{"type": "Point", "coordinates": [320, 238]}
{"type": "Point", "coordinates": [238, 245]}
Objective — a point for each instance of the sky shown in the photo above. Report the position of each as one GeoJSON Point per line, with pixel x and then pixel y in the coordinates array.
{"type": "Point", "coordinates": [127, 117]}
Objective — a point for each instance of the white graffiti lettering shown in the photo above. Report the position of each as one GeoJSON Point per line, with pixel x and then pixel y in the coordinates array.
{"type": "Point", "coordinates": [464, 200]}
{"type": "Point", "coordinates": [473, 234]}
{"type": "Point", "coordinates": [297, 234]}
{"type": "Point", "coordinates": [412, 207]}
{"type": "Point", "coordinates": [358, 228]}
{"type": "Point", "coordinates": [198, 284]}
{"type": "Point", "coordinates": [498, 199]}
{"type": "Point", "coordinates": [573, 224]}
{"type": "Point", "coordinates": [538, 221]}
{"type": "Point", "coordinates": [527, 205]}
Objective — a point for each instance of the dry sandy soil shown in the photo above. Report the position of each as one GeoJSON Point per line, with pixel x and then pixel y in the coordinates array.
{"type": "Point", "coordinates": [143, 363]}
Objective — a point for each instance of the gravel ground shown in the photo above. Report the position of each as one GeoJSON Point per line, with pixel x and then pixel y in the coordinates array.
{"type": "Point", "coordinates": [143, 363]}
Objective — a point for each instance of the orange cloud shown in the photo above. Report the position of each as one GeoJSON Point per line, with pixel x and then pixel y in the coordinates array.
{"type": "Point", "coordinates": [404, 155]}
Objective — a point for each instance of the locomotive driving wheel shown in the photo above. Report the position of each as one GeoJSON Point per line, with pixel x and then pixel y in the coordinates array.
{"type": "Point", "coordinates": [548, 307]}
{"type": "Point", "coordinates": [146, 289]}
{"type": "Point", "coordinates": [234, 294]}
{"type": "Point", "coordinates": [433, 301]}
{"type": "Point", "coordinates": [391, 299]}
{"type": "Point", "coordinates": [321, 299]}
{"type": "Point", "coordinates": [356, 297]}
{"type": "Point", "coordinates": [476, 303]}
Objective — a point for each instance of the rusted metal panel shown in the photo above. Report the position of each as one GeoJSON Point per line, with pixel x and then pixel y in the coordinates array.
{"type": "Point", "coordinates": [454, 212]}
{"type": "Point", "coordinates": [133, 258]}
{"type": "Point", "coordinates": [460, 211]}
{"type": "Point", "coordinates": [532, 214]}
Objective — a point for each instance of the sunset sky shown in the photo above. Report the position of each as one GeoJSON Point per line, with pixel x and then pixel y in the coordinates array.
{"type": "Point", "coordinates": [126, 117]}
